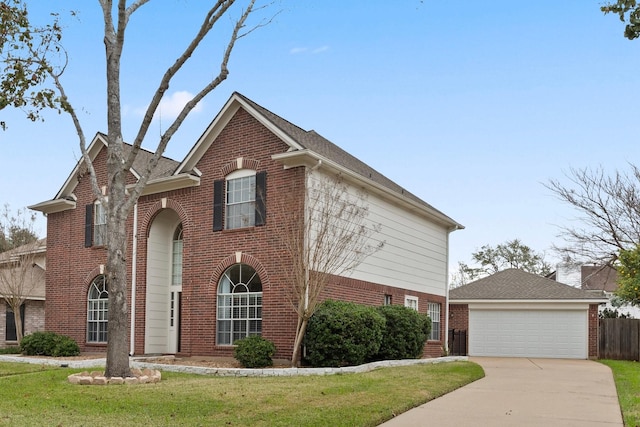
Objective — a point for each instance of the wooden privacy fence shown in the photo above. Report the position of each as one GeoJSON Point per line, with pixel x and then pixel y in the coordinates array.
{"type": "Point", "coordinates": [619, 339]}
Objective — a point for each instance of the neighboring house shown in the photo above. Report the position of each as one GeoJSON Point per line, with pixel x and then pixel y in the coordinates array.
{"type": "Point", "coordinates": [206, 260]}
{"type": "Point", "coordinates": [517, 314]}
{"type": "Point", "coordinates": [31, 287]}
{"type": "Point", "coordinates": [592, 277]}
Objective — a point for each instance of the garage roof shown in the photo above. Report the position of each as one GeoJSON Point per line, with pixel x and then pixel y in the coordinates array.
{"type": "Point", "coordinates": [514, 284]}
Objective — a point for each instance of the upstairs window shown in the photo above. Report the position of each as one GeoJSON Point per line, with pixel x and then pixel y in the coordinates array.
{"type": "Point", "coordinates": [95, 226]}
{"type": "Point", "coordinates": [239, 200]}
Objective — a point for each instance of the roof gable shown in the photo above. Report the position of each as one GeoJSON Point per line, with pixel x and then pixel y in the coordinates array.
{"type": "Point", "coordinates": [306, 148]}
{"type": "Point", "coordinates": [514, 284]}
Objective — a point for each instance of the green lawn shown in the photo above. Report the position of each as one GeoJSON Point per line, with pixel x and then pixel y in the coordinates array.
{"type": "Point", "coordinates": [35, 395]}
{"type": "Point", "coordinates": [627, 377]}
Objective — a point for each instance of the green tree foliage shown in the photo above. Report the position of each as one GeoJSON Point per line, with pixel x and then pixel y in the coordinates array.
{"type": "Point", "coordinates": [27, 55]}
{"type": "Point", "coordinates": [490, 260]}
{"type": "Point", "coordinates": [629, 12]}
{"type": "Point", "coordinates": [16, 229]}
{"type": "Point", "coordinates": [629, 275]}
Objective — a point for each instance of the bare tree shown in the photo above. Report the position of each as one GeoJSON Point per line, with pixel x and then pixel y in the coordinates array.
{"type": "Point", "coordinates": [21, 261]}
{"type": "Point", "coordinates": [327, 234]}
{"type": "Point", "coordinates": [22, 277]}
{"type": "Point", "coordinates": [608, 213]}
{"type": "Point", "coordinates": [119, 201]}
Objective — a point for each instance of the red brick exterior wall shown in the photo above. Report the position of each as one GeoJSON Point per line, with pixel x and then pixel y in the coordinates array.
{"type": "Point", "coordinates": [33, 320]}
{"type": "Point", "coordinates": [593, 331]}
{"type": "Point", "coordinates": [206, 254]}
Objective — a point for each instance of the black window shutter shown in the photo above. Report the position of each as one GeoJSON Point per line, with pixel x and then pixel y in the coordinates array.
{"type": "Point", "coordinates": [88, 226]}
{"type": "Point", "coordinates": [261, 198]}
{"type": "Point", "coordinates": [218, 202]}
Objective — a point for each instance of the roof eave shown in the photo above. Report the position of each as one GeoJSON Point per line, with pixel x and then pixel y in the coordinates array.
{"type": "Point", "coordinates": [169, 183]}
{"type": "Point", "coordinates": [54, 206]}
{"type": "Point", "coordinates": [528, 301]}
{"type": "Point", "coordinates": [308, 158]}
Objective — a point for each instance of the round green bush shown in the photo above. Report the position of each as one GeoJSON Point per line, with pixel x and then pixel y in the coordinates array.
{"type": "Point", "coordinates": [48, 344]}
{"type": "Point", "coordinates": [405, 333]}
{"type": "Point", "coordinates": [343, 334]}
{"type": "Point", "coordinates": [254, 352]}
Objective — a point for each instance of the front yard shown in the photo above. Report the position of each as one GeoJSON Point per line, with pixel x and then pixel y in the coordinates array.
{"type": "Point", "coordinates": [35, 395]}
{"type": "Point", "coordinates": [627, 377]}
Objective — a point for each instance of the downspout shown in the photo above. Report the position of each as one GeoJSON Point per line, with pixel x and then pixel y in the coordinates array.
{"type": "Point", "coordinates": [134, 248]}
{"type": "Point", "coordinates": [448, 279]}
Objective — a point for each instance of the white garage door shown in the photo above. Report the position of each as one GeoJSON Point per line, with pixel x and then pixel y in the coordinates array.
{"type": "Point", "coordinates": [528, 333]}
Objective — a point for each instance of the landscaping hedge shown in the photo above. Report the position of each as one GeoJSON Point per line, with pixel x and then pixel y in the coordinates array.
{"type": "Point", "coordinates": [343, 333]}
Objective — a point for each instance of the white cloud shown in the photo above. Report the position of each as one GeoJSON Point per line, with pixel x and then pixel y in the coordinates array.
{"type": "Point", "coordinates": [300, 50]}
{"type": "Point", "coordinates": [171, 105]}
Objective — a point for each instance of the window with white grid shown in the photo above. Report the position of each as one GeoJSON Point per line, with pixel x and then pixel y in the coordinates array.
{"type": "Point", "coordinates": [97, 311]}
{"type": "Point", "coordinates": [434, 315]}
{"type": "Point", "coordinates": [239, 311]}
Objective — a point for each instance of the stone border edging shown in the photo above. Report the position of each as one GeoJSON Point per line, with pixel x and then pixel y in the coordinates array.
{"type": "Point", "coordinates": [138, 362]}
{"type": "Point", "coordinates": [288, 372]}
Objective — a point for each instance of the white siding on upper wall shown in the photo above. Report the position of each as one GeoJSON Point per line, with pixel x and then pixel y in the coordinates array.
{"type": "Point", "coordinates": [414, 255]}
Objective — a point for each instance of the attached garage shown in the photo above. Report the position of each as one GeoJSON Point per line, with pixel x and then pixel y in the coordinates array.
{"type": "Point", "coordinates": [517, 314]}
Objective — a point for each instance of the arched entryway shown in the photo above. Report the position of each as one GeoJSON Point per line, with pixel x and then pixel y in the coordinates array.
{"type": "Point", "coordinates": [164, 284]}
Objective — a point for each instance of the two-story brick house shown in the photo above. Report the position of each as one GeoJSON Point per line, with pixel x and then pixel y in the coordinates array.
{"type": "Point", "coordinates": [206, 264]}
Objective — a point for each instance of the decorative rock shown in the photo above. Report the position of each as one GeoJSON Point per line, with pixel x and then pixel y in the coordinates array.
{"type": "Point", "coordinates": [100, 381]}
{"type": "Point", "coordinates": [97, 378]}
{"type": "Point", "coordinates": [85, 380]}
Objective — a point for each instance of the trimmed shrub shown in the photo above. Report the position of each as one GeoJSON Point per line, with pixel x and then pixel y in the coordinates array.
{"type": "Point", "coordinates": [342, 334]}
{"type": "Point", "coordinates": [48, 344]}
{"type": "Point", "coordinates": [10, 350]}
{"type": "Point", "coordinates": [254, 352]}
{"type": "Point", "coordinates": [405, 333]}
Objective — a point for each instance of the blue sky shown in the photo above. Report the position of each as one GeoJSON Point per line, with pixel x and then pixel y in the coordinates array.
{"type": "Point", "coordinates": [471, 106]}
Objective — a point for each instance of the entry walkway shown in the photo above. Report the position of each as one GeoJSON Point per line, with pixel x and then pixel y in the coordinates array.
{"type": "Point", "coordinates": [525, 392]}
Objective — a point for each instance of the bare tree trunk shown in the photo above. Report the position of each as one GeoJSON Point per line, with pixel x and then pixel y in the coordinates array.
{"type": "Point", "coordinates": [118, 332]}
{"type": "Point", "coordinates": [17, 317]}
{"type": "Point", "coordinates": [297, 345]}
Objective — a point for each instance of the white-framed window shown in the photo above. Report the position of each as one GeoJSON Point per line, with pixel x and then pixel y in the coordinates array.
{"type": "Point", "coordinates": [387, 300]}
{"type": "Point", "coordinates": [239, 311]}
{"type": "Point", "coordinates": [176, 258]}
{"type": "Point", "coordinates": [411, 302]}
{"type": "Point", "coordinates": [99, 224]}
{"type": "Point", "coordinates": [240, 199]}
{"type": "Point", "coordinates": [97, 311]}
{"type": "Point", "coordinates": [434, 315]}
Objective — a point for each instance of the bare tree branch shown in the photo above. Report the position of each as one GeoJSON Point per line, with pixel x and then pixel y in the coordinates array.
{"type": "Point", "coordinates": [608, 213]}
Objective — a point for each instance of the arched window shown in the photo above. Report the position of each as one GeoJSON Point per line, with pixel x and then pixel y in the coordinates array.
{"type": "Point", "coordinates": [239, 304]}
{"type": "Point", "coordinates": [176, 262]}
{"type": "Point", "coordinates": [97, 311]}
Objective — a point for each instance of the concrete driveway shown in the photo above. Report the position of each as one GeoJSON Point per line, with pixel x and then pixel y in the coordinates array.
{"type": "Point", "coordinates": [525, 392]}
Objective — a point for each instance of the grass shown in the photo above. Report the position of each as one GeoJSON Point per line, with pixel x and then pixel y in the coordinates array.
{"type": "Point", "coordinates": [627, 377]}
{"type": "Point", "coordinates": [366, 399]}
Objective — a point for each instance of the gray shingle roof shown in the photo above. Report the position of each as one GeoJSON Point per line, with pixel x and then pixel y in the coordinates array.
{"type": "Point", "coordinates": [514, 284]}
{"type": "Point", "coordinates": [315, 142]}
